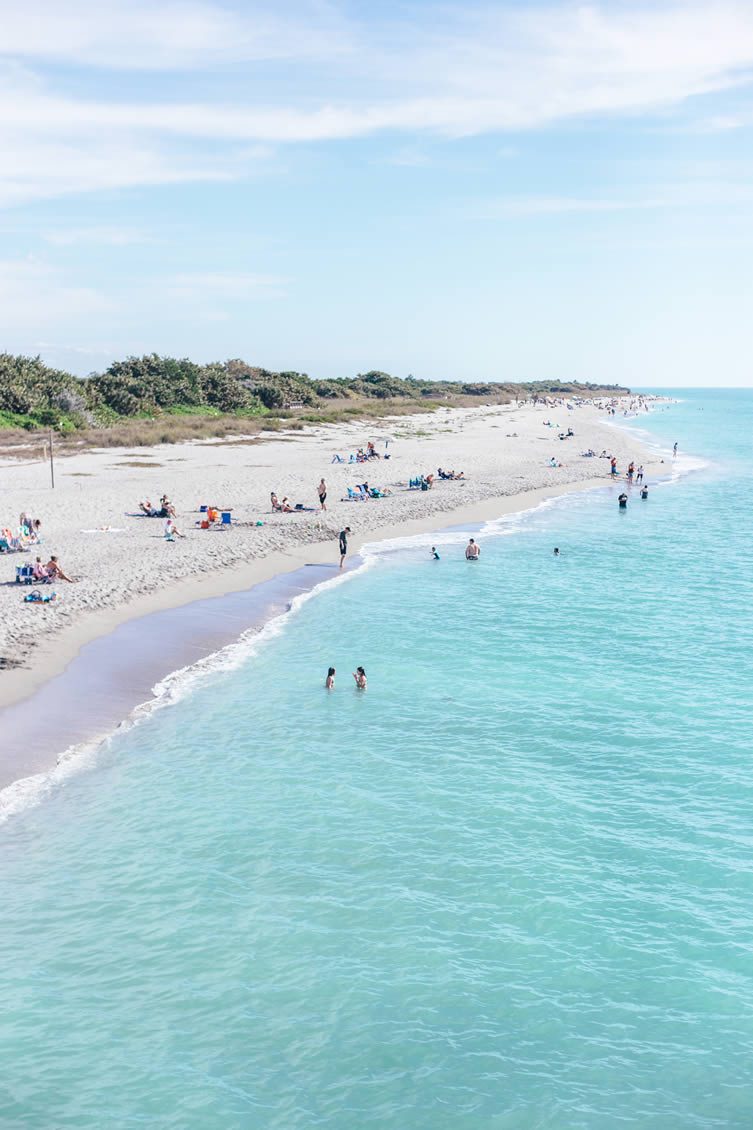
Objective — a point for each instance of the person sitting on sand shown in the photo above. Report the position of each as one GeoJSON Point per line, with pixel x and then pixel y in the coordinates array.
{"type": "Point", "coordinates": [39, 573]}
{"type": "Point", "coordinates": [147, 508]}
{"type": "Point", "coordinates": [330, 680]}
{"type": "Point", "coordinates": [55, 572]}
{"type": "Point", "coordinates": [275, 501]}
{"type": "Point", "coordinates": [553, 462]}
{"type": "Point", "coordinates": [171, 530]}
{"type": "Point", "coordinates": [168, 510]}
{"type": "Point", "coordinates": [285, 506]}
{"type": "Point", "coordinates": [360, 677]}
{"type": "Point", "coordinates": [472, 551]}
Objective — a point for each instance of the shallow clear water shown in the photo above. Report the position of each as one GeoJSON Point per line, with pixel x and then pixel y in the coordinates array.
{"type": "Point", "coordinates": [510, 886]}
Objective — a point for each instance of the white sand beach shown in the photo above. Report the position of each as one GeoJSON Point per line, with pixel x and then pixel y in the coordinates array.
{"type": "Point", "coordinates": [124, 567]}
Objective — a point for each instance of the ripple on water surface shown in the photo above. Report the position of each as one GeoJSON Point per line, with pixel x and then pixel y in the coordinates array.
{"type": "Point", "coordinates": [510, 886]}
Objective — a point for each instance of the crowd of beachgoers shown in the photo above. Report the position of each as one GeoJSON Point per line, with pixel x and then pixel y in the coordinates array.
{"type": "Point", "coordinates": [99, 537]}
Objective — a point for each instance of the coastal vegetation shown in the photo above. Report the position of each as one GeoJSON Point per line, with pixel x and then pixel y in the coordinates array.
{"type": "Point", "coordinates": [154, 399]}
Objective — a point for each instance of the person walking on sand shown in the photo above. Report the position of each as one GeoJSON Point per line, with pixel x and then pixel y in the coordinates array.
{"type": "Point", "coordinates": [360, 677]}
{"type": "Point", "coordinates": [472, 551]}
{"type": "Point", "coordinates": [344, 545]}
{"type": "Point", "coordinates": [639, 475]}
{"type": "Point", "coordinates": [330, 681]}
{"type": "Point", "coordinates": [322, 490]}
{"type": "Point", "coordinates": [674, 450]}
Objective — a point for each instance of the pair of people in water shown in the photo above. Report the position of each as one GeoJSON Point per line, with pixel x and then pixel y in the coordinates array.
{"type": "Point", "coordinates": [359, 675]}
{"type": "Point", "coordinates": [472, 552]}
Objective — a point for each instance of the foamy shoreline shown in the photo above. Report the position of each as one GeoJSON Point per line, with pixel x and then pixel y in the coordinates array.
{"type": "Point", "coordinates": [134, 572]}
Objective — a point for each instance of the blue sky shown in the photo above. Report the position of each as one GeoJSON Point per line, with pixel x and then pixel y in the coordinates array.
{"type": "Point", "coordinates": [478, 191]}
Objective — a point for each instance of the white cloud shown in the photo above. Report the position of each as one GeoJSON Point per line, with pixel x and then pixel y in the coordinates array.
{"type": "Point", "coordinates": [440, 71]}
{"type": "Point", "coordinates": [166, 35]}
{"type": "Point", "coordinates": [35, 296]}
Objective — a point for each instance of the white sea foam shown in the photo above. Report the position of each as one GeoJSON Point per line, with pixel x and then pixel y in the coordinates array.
{"type": "Point", "coordinates": [29, 791]}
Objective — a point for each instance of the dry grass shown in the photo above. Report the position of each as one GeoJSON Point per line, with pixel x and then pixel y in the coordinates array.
{"type": "Point", "coordinates": [137, 433]}
{"type": "Point", "coordinates": [138, 463]}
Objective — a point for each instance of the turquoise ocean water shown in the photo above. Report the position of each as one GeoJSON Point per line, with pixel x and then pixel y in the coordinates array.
{"type": "Point", "coordinates": [509, 887]}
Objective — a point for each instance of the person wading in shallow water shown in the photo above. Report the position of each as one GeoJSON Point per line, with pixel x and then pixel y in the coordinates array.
{"type": "Point", "coordinates": [472, 551]}
{"type": "Point", "coordinates": [344, 545]}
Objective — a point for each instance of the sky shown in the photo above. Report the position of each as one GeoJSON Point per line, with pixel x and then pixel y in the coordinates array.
{"type": "Point", "coordinates": [476, 191]}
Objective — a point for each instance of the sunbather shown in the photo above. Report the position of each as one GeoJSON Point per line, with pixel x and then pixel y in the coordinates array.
{"type": "Point", "coordinates": [171, 530]}
{"type": "Point", "coordinates": [55, 572]}
{"type": "Point", "coordinates": [146, 508]}
{"type": "Point", "coordinates": [39, 572]}
{"type": "Point", "coordinates": [37, 598]}
{"type": "Point", "coordinates": [286, 507]}
{"type": "Point", "coordinates": [275, 501]}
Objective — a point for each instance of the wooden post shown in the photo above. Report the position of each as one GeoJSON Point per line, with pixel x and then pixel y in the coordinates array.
{"type": "Point", "coordinates": [52, 463]}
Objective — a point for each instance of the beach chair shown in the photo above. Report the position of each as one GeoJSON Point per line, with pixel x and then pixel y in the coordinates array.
{"type": "Point", "coordinates": [337, 459]}
{"type": "Point", "coordinates": [355, 495]}
{"type": "Point", "coordinates": [227, 519]}
{"type": "Point", "coordinates": [24, 575]}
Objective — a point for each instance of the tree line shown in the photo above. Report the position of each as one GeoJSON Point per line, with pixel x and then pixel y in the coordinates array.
{"type": "Point", "coordinates": [34, 395]}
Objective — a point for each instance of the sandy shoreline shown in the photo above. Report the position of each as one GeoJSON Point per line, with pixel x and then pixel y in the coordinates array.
{"type": "Point", "coordinates": [115, 663]}
{"type": "Point", "coordinates": [133, 572]}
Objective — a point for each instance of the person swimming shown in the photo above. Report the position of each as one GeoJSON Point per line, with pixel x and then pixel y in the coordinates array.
{"type": "Point", "coordinates": [556, 551]}
{"type": "Point", "coordinates": [360, 677]}
{"type": "Point", "coordinates": [330, 681]}
{"type": "Point", "coordinates": [434, 554]}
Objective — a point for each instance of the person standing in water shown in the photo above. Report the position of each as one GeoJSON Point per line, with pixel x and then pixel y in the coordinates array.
{"type": "Point", "coordinates": [644, 491]}
{"type": "Point", "coordinates": [434, 554]}
{"type": "Point", "coordinates": [472, 551]}
{"type": "Point", "coordinates": [360, 677]}
{"type": "Point", "coordinates": [322, 492]}
{"type": "Point", "coordinates": [639, 474]}
{"type": "Point", "coordinates": [330, 683]}
{"type": "Point", "coordinates": [623, 501]}
{"type": "Point", "coordinates": [556, 551]}
{"type": "Point", "coordinates": [674, 450]}
{"type": "Point", "coordinates": [344, 545]}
